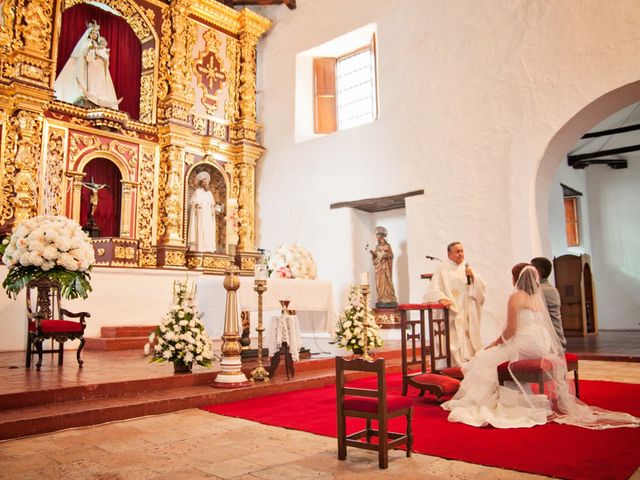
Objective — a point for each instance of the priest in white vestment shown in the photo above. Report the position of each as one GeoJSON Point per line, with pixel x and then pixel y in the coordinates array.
{"type": "Point", "coordinates": [201, 234]}
{"type": "Point", "coordinates": [461, 290]}
{"type": "Point", "coordinates": [86, 73]}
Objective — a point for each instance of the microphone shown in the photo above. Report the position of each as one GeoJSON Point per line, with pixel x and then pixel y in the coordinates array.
{"type": "Point", "coordinates": [429, 257]}
{"type": "Point", "coordinates": [466, 265]}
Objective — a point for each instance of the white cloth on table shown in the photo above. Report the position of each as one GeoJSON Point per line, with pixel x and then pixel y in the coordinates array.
{"type": "Point", "coordinates": [284, 329]}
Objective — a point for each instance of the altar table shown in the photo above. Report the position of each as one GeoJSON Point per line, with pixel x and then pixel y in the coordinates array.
{"type": "Point", "coordinates": [312, 301]}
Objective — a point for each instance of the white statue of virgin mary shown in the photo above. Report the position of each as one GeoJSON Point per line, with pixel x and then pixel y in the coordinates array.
{"type": "Point", "coordinates": [86, 73]}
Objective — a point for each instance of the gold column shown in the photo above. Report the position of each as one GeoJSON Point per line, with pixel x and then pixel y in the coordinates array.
{"type": "Point", "coordinates": [76, 185]}
{"type": "Point", "coordinates": [125, 211]}
{"type": "Point", "coordinates": [231, 375]}
{"type": "Point", "coordinates": [171, 181]}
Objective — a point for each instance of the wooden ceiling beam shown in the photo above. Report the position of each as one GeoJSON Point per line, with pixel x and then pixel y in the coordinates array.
{"type": "Point", "coordinates": [612, 131]}
{"type": "Point", "coordinates": [613, 151]}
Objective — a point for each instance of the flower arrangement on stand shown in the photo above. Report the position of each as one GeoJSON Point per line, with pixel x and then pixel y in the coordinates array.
{"type": "Point", "coordinates": [292, 261]}
{"type": "Point", "coordinates": [349, 331]}
{"type": "Point", "coordinates": [51, 245]}
{"type": "Point", "coordinates": [181, 337]}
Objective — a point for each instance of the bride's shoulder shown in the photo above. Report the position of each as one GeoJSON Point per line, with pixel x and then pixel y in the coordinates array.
{"type": "Point", "coordinates": [518, 298]}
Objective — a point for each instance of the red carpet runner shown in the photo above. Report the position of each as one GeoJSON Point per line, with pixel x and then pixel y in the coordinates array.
{"type": "Point", "coordinates": [553, 450]}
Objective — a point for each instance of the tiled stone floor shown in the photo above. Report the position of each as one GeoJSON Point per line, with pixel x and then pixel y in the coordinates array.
{"type": "Point", "coordinates": [192, 444]}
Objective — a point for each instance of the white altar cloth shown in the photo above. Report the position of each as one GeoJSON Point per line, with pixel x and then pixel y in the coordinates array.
{"type": "Point", "coordinates": [284, 329]}
{"type": "Point", "coordinates": [311, 299]}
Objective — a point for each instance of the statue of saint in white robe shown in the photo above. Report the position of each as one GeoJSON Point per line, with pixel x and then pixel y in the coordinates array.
{"type": "Point", "coordinates": [201, 235]}
{"type": "Point", "coordinates": [86, 73]}
{"type": "Point", "coordinates": [450, 282]}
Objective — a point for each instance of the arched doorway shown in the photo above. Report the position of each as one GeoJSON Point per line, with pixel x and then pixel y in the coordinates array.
{"type": "Point", "coordinates": [612, 231]}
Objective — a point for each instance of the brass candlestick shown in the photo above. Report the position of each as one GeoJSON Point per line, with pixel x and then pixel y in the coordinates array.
{"type": "Point", "coordinates": [365, 298]}
{"type": "Point", "coordinates": [260, 374]}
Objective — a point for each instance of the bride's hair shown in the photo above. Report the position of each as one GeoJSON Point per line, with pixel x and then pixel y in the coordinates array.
{"type": "Point", "coordinates": [526, 278]}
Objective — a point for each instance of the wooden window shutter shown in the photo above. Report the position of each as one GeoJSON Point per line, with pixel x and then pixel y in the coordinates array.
{"type": "Point", "coordinates": [571, 221]}
{"type": "Point", "coordinates": [324, 73]}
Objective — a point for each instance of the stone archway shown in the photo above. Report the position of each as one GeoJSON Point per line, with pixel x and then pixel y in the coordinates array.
{"type": "Point", "coordinates": [559, 146]}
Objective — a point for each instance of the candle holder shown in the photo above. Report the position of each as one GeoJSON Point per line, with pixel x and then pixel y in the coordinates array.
{"type": "Point", "coordinates": [364, 289]}
{"type": "Point", "coordinates": [260, 374]}
{"type": "Point", "coordinates": [231, 375]}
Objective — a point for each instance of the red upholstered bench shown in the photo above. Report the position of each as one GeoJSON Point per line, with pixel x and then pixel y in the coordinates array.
{"type": "Point", "coordinates": [444, 381]}
{"type": "Point", "coordinates": [533, 370]}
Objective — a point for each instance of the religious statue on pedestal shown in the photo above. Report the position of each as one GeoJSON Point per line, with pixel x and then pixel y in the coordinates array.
{"type": "Point", "coordinates": [383, 263]}
{"type": "Point", "coordinates": [201, 235]}
{"type": "Point", "coordinates": [85, 76]}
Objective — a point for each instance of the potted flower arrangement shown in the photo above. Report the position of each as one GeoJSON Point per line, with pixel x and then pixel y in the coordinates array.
{"type": "Point", "coordinates": [349, 331]}
{"type": "Point", "coordinates": [292, 261]}
{"type": "Point", "coordinates": [181, 337]}
{"type": "Point", "coordinates": [51, 245]}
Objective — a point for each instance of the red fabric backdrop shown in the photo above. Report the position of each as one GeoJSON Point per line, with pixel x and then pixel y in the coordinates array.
{"type": "Point", "coordinates": [107, 215]}
{"type": "Point", "coordinates": [125, 50]}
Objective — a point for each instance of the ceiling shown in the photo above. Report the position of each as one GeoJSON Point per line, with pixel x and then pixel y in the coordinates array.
{"type": "Point", "coordinates": [614, 142]}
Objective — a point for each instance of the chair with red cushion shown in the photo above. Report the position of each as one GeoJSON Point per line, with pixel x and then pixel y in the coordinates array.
{"type": "Point", "coordinates": [440, 379]}
{"type": "Point", "coordinates": [46, 320]}
{"type": "Point", "coordinates": [535, 370]}
{"type": "Point", "coordinates": [370, 404]}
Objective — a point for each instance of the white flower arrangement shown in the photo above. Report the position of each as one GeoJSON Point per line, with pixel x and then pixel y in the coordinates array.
{"type": "Point", "coordinates": [51, 245]}
{"type": "Point", "coordinates": [349, 331]}
{"type": "Point", "coordinates": [181, 336]}
{"type": "Point", "coordinates": [292, 261]}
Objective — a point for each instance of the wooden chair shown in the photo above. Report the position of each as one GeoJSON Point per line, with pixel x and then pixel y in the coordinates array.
{"type": "Point", "coordinates": [534, 370]}
{"type": "Point", "coordinates": [370, 404]}
{"type": "Point", "coordinates": [46, 321]}
{"type": "Point", "coordinates": [440, 378]}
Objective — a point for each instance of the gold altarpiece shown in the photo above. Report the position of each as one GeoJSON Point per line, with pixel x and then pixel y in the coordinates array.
{"type": "Point", "coordinates": [197, 111]}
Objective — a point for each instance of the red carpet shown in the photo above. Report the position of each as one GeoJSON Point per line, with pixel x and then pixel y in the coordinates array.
{"type": "Point", "coordinates": [553, 450]}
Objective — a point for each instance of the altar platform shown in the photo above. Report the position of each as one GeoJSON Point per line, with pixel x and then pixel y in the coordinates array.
{"type": "Point", "coordinates": [123, 384]}
{"type": "Point", "coordinates": [116, 385]}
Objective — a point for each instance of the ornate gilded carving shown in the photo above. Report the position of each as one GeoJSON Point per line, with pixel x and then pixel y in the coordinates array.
{"type": "Point", "coordinates": [245, 174]}
{"type": "Point", "coordinates": [128, 253]}
{"type": "Point", "coordinates": [148, 58]}
{"type": "Point", "coordinates": [220, 131]}
{"type": "Point", "coordinates": [52, 187]}
{"type": "Point", "coordinates": [200, 125]}
{"type": "Point", "coordinates": [146, 98]}
{"type": "Point", "coordinates": [248, 77]}
{"type": "Point", "coordinates": [80, 144]}
{"type": "Point", "coordinates": [232, 105]}
{"type": "Point", "coordinates": [126, 8]}
{"type": "Point", "coordinates": [248, 263]}
{"type": "Point", "coordinates": [34, 24]}
{"type": "Point", "coordinates": [145, 208]}
{"type": "Point", "coordinates": [175, 259]}
{"type": "Point", "coordinates": [209, 72]}
{"type": "Point", "coordinates": [170, 193]}
{"type": "Point", "coordinates": [27, 139]}
{"type": "Point", "coordinates": [7, 16]}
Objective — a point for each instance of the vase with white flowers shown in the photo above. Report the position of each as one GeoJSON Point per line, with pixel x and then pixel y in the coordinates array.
{"type": "Point", "coordinates": [181, 337]}
{"type": "Point", "coordinates": [48, 245]}
{"type": "Point", "coordinates": [349, 331]}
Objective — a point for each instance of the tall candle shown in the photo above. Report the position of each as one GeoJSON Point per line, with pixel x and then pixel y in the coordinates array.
{"type": "Point", "coordinates": [364, 278]}
{"type": "Point", "coordinates": [260, 272]}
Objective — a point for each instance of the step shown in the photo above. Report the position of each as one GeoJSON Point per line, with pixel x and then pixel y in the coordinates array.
{"type": "Point", "coordinates": [116, 343]}
{"type": "Point", "coordinates": [18, 422]}
{"type": "Point", "coordinates": [127, 331]}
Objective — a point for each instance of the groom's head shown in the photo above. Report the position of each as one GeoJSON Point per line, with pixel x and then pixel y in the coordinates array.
{"type": "Point", "coordinates": [543, 265]}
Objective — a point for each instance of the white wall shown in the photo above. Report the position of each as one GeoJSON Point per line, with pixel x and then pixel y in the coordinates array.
{"type": "Point", "coordinates": [471, 95]}
{"type": "Point", "coordinates": [614, 197]}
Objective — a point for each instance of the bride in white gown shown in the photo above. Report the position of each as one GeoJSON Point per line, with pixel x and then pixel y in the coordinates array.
{"type": "Point", "coordinates": [529, 333]}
